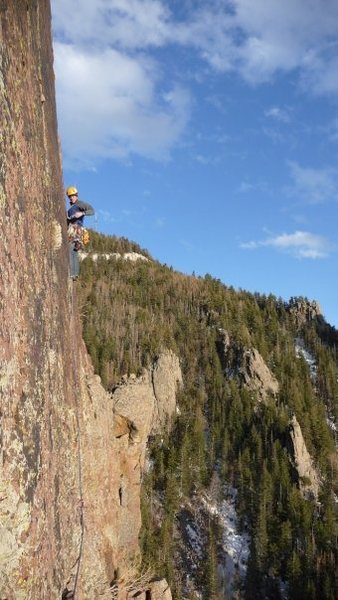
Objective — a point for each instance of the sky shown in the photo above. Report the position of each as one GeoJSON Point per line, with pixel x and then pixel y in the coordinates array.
{"type": "Point", "coordinates": [207, 132]}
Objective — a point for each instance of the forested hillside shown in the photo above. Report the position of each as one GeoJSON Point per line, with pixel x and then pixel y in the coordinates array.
{"type": "Point", "coordinates": [224, 429]}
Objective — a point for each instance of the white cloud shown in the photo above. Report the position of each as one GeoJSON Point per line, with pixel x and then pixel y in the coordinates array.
{"type": "Point", "coordinates": [320, 73]}
{"type": "Point", "coordinates": [329, 132]}
{"type": "Point", "coordinates": [259, 39]}
{"type": "Point", "coordinates": [247, 187]}
{"type": "Point", "coordinates": [300, 244]}
{"type": "Point", "coordinates": [218, 102]}
{"type": "Point", "coordinates": [254, 37]}
{"type": "Point", "coordinates": [109, 105]}
{"type": "Point", "coordinates": [121, 23]}
{"type": "Point", "coordinates": [332, 130]}
{"type": "Point", "coordinates": [205, 160]}
{"type": "Point", "coordinates": [314, 185]}
{"type": "Point", "coordinates": [275, 135]}
{"type": "Point", "coordinates": [109, 91]}
{"type": "Point", "coordinates": [282, 36]}
{"type": "Point", "coordinates": [106, 216]}
{"type": "Point", "coordinates": [277, 113]}
{"type": "Point", "coordinates": [187, 245]}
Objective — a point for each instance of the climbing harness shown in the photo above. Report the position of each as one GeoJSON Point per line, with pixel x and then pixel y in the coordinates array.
{"type": "Point", "coordinates": [78, 235]}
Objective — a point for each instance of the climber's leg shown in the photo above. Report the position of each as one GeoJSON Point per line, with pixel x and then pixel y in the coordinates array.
{"type": "Point", "coordinates": [74, 264]}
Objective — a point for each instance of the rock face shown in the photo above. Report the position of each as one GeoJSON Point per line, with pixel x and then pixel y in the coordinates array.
{"type": "Point", "coordinates": [157, 589]}
{"type": "Point", "coordinates": [248, 365]}
{"type": "Point", "coordinates": [149, 402]}
{"type": "Point", "coordinates": [166, 377]}
{"type": "Point", "coordinates": [304, 311]}
{"type": "Point", "coordinates": [256, 375]}
{"type": "Point", "coordinates": [39, 381]}
{"type": "Point", "coordinates": [309, 481]}
{"type": "Point", "coordinates": [131, 256]}
{"type": "Point", "coordinates": [142, 406]}
{"type": "Point", "coordinates": [65, 473]}
{"type": "Point", "coordinates": [160, 590]}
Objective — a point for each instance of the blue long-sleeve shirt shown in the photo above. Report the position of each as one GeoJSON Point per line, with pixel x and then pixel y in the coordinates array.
{"type": "Point", "coordinates": [79, 206]}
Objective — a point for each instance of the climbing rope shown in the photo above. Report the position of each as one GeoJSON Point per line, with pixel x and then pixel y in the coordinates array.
{"type": "Point", "coordinates": [79, 450]}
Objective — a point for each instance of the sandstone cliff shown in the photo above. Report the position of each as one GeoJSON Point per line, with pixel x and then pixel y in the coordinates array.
{"type": "Point", "coordinates": [62, 504]}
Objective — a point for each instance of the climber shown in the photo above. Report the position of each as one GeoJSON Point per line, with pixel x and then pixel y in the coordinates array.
{"type": "Point", "coordinates": [77, 234]}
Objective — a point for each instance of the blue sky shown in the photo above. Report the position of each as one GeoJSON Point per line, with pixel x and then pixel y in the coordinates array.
{"type": "Point", "coordinates": [207, 131]}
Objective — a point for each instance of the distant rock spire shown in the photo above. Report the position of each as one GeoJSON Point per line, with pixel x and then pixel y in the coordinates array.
{"type": "Point", "coordinates": [304, 310]}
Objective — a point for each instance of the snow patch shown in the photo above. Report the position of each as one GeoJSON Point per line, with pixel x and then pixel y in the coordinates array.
{"type": "Point", "coordinates": [195, 540]}
{"type": "Point", "coordinates": [235, 543]}
{"type": "Point", "coordinates": [331, 423]}
{"type": "Point", "coordinates": [302, 352]}
{"type": "Point", "coordinates": [284, 589]}
{"type": "Point", "coordinates": [148, 465]}
{"type": "Point", "coordinates": [132, 256]}
{"type": "Point", "coordinates": [333, 426]}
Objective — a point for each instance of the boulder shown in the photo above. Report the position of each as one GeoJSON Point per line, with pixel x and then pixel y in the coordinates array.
{"type": "Point", "coordinates": [160, 590]}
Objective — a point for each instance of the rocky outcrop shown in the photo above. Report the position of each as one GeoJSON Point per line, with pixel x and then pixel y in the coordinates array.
{"type": "Point", "coordinates": [156, 589]}
{"type": "Point", "coordinates": [148, 402]}
{"type": "Point", "coordinates": [160, 590]}
{"type": "Point", "coordinates": [166, 379]}
{"type": "Point", "coordinates": [256, 375]}
{"type": "Point", "coordinates": [304, 311]}
{"type": "Point", "coordinates": [224, 346]}
{"type": "Point", "coordinates": [40, 394]}
{"type": "Point", "coordinates": [248, 365]}
{"type": "Point", "coordinates": [130, 256]}
{"type": "Point", "coordinates": [142, 406]}
{"type": "Point", "coordinates": [309, 481]}
{"type": "Point", "coordinates": [66, 475]}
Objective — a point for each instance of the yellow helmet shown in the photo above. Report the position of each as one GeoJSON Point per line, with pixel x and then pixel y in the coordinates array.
{"type": "Point", "coordinates": [71, 191]}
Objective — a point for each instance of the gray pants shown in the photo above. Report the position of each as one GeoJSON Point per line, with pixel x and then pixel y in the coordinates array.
{"type": "Point", "coordinates": [74, 263]}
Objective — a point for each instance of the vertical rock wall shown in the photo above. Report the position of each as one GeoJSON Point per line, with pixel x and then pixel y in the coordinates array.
{"type": "Point", "coordinates": [52, 497]}
{"type": "Point", "coordinates": [67, 475]}
{"type": "Point", "coordinates": [39, 481]}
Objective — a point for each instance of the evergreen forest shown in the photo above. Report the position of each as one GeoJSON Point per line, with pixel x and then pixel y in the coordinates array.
{"type": "Point", "coordinates": [131, 311]}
